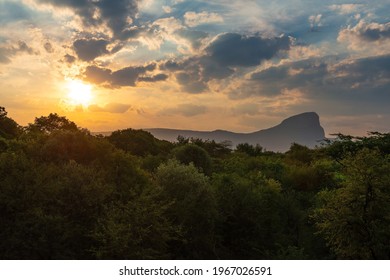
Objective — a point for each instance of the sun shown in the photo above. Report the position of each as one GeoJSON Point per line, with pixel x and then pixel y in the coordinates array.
{"type": "Point", "coordinates": [79, 93]}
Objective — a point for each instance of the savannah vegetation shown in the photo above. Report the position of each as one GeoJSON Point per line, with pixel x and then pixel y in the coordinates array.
{"type": "Point", "coordinates": [68, 194]}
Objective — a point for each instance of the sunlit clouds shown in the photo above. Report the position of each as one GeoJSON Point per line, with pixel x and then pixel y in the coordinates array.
{"type": "Point", "coordinates": [196, 64]}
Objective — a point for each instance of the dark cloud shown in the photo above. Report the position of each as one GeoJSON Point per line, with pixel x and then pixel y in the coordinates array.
{"type": "Point", "coordinates": [232, 49]}
{"type": "Point", "coordinates": [127, 76]}
{"type": "Point", "coordinates": [48, 47]}
{"type": "Point", "coordinates": [155, 78]}
{"type": "Point", "coordinates": [6, 53]}
{"type": "Point", "coordinates": [69, 59]}
{"type": "Point", "coordinates": [195, 37]}
{"type": "Point", "coordinates": [117, 14]}
{"type": "Point", "coordinates": [171, 65]}
{"type": "Point", "coordinates": [292, 75]}
{"type": "Point", "coordinates": [188, 74]}
{"type": "Point", "coordinates": [214, 70]}
{"type": "Point", "coordinates": [222, 57]}
{"type": "Point", "coordinates": [97, 75]}
{"type": "Point", "coordinates": [115, 108]}
{"type": "Point", "coordinates": [191, 82]}
{"type": "Point", "coordinates": [89, 49]}
{"type": "Point", "coordinates": [23, 47]}
{"type": "Point", "coordinates": [370, 76]}
{"type": "Point", "coordinates": [361, 83]}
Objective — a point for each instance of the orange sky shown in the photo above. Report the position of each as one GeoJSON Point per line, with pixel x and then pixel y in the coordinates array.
{"type": "Point", "coordinates": [232, 65]}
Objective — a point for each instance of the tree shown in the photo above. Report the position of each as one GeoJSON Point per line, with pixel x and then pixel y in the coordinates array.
{"type": "Point", "coordinates": [191, 208]}
{"type": "Point", "coordinates": [250, 150]}
{"type": "Point", "coordinates": [249, 225]}
{"type": "Point", "coordinates": [214, 149]}
{"type": "Point", "coordinates": [191, 153]}
{"type": "Point", "coordinates": [51, 123]}
{"type": "Point", "coordinates": [136, 229]}
{"type": "Point", "coordinates": [48, 211]}
{"type": "Point", "coordinates": [138, 142]}
{"type": "Point", "coordinates": [8, 127]}
{"type": "Point", "coordinates": [355, 218]}
{"type": "Point", "coordinates": [299, 154]}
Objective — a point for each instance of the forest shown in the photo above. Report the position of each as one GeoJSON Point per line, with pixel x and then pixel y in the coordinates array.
{"type": "Point", "coordinates": [66, 193]}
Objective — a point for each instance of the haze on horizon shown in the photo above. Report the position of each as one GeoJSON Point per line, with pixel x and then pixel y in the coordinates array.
{"type": "Point", "coordinates": [202, 65]}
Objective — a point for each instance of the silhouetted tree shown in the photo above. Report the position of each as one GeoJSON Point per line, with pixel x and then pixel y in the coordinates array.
{"type": "Point", "coordinates": [250, 150]}
{"type": "Point", "coordinates": [8, 127]}
{"type": "Point", "coordinates": [138, 142]}
{"type": "Point", "coordinates": [53, 122]}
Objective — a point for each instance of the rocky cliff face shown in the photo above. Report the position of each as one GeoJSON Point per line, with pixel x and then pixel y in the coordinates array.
{"type": "Point", "coordinates": [304, 129]}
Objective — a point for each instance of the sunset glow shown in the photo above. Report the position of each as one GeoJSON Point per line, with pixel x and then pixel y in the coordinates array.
{"type": "Point", "coordinates": [79, 93]}
{"type": "Point", "coordinates": [201, 65]}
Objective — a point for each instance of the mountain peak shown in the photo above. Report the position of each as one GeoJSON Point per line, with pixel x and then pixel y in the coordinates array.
{"type": "Point", "coordinates": [304, 119]}
{"type": "Point", "coordinates": [304, 129]}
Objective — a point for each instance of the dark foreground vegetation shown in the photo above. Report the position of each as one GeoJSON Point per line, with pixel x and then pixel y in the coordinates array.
{"type": "Point", "coordinates": [66, 194]}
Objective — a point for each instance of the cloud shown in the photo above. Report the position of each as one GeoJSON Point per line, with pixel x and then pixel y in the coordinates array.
{"type": "Point", "coordinates": [167, 9]}
{"type": "Point", "coordinates": [369, 38]}
{"type": "Point", "coordinates": [171, 29]}
{"type": "Point", "coordinates": [155, 78]}
{"type": "Point", "coordinates": [188, 74]}
{"type": "Point", "coordinates": [23, 47]}
{"type": "Point", "coordinates": [193, 19]}
{"type": "Point", "coordinates": [273, 80]}
{"type": "Point", "coordinates": [191, 82]}
{"type": "Point", "coordinates": [117, 15]}
{"type": "Point", "coordinates": [171, 65]}
{"type": "Point", "coordinates": [346, 9]}
{"type": "Point", "coordinates": [6, 53]}
{"type": "Point", "coordinates": [315, 22]}
{"type": "Point", "coordinates": [222, 57]}
{"type": "Point", "coordinates": [187, 110]}
{"type": "Point", "coordinates": [232, 49]}
{"type": "Point", "coordinates": [194, 37]}
{"type": "Point", "coordinates": [127, 76]}
{"type": "Point", "coordinates": [48, 47]}
{"type": "Point", "coordinates": [69, 59]}
{"type": "Point", "coordinates": [4, 56]}
{"type": "Point", "coordinates": [335, 84]}
{"type": "Point", "coordinates": [115, 108]}
{"type": "Point", "coordinates": [160, 30]}
{"type": "Point", "coordinates": [88, 50]}
{"type": "Point", "coordinates": [97, 75]}
{"type": "Point", "coordinates": [369, 32]}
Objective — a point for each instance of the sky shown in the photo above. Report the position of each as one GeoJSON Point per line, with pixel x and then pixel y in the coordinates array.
{"type": "Point", "coordinates": [203, 65]}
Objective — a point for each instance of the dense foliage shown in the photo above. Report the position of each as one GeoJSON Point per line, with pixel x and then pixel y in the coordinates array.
{"type": "Point", "coordinates": [67, 194]}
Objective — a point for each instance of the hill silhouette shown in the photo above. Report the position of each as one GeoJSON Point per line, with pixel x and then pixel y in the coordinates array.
{"type": "Point", "coordinates": [304, 129]}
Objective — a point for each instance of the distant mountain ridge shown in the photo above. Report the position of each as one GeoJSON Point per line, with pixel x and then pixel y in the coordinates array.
{"type": "Point", "coordinates": [304, 129]}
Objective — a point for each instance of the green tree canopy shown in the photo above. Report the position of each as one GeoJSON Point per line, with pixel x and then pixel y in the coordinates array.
{"type": "Point", "coordinates": [191, 153]}
{"type": "Point", "coordinates": [192, 208]}
{"type": "Point", "coordinates": [355, 218]}
{"type": "Point", "coordinates": [138, 142]}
